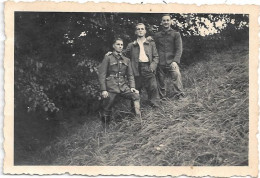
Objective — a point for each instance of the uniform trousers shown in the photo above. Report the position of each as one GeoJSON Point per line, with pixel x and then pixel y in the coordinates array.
{"type": "Point", "coordinates": [174, 72]}
{"type": "Point", "coordinates": [147, 80]}
{"type": "Point", "coordinates": [109, 102]}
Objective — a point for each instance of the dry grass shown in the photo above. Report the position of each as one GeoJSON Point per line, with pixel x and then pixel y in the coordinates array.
{"type": "Point", "coordinates": [208, 127]}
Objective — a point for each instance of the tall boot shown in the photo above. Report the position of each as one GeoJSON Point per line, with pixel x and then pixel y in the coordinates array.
{"type": "Point", "coordinates": [105, 121]}
{"type": "Point", "coordinates": [137, 108]}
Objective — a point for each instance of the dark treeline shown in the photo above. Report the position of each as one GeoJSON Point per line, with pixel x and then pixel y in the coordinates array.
{"type": "Point", "coordinates": [56, 54]}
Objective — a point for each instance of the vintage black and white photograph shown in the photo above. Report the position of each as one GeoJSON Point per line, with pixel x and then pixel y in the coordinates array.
{"type": "Point", "coordinates": [131, 89]}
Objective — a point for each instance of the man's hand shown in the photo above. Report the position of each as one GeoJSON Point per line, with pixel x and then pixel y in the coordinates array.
{"type": "Point", "coordinates": [108, 53]}
{"type": "Point", "coordinates": [174, 65]}
{"type": "Point", "coordinates": [134, 90]}
{"type": "Point", "coordinates": [153, 68]}
{"type": "Point", "coordinates": [104, 94]}
{"type": "Point", "coordinates": [149, 38]}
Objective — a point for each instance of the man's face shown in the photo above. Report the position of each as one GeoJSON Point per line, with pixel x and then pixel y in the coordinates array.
{"type": "Point", "coordinates": [118, 46]}
{"type": "Point", "coordinates": [140, 30]}
{"type": "Point", "coordinates": [166, 21]}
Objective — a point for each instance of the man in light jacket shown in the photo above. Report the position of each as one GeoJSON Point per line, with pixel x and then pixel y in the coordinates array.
{"type": "Point", "coordinates": [144, 59]}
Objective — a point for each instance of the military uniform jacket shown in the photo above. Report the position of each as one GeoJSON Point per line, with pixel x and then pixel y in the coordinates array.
{"type": "Point", "coordinates": [169, 46]}
{"type": "Point", "coordinates": [133, 50]}
{"type": "Point", "coordinates": [114, 72]}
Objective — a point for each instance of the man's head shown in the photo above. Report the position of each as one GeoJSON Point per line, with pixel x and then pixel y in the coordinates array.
{"type": "Point", "coordinates": [166, 21]}
{"type": "Point", "coordinates": [118, 45]}
{"type": "Point", "coordinates": [140, 30]}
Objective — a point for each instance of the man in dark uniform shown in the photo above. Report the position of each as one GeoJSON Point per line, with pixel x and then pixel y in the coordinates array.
{"type": "Point", "coordinates": [112, 74]}
{"type": "Point", "coordinates": [169, 45]}
{"type": "Point", "coordinates": [144, 60]}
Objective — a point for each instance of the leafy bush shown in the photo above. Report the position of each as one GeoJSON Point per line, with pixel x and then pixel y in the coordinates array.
{"type": "Point", "coordinates": [56, 54]}
{"type": "Point", "coordinates": [209, 127]}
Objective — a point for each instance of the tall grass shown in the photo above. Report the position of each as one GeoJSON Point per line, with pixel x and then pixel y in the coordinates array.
{"type": "Point", "coordinates": [207, 128]}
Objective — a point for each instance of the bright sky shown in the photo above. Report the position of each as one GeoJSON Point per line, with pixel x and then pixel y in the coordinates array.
{"type": "Point", "coordinates": [209, 29]}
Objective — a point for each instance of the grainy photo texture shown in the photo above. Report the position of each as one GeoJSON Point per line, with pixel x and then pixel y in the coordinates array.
{"type": "Point", "coordinates": [58, 100]}
{"type": "Point", "coordinates": [131, 89]}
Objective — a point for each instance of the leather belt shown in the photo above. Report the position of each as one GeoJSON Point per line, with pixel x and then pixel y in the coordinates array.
{"type": "Point", "coordinates": [116, 75]}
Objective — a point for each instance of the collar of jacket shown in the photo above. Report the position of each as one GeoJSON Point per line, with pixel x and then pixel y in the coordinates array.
{"type": "Point", "coordinates": [117, 55]}
{"type": "Point", "coordinates": [120, 57]}
{"type": "Point", "coordinates": [166, 32]}
{"type": "Point", "coordinates": [136, 44]}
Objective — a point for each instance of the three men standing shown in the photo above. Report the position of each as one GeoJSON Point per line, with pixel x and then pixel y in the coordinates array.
{"type": "Point", "coordinates": [142, 67]}
{"type": "Point", "coordinates": [169, 46]}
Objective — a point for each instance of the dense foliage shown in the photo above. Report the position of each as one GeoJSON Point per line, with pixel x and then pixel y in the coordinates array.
{"type": "Point", "coordinates": [209, 127]}
{"type": "Point", "coordinates": [57, 54]}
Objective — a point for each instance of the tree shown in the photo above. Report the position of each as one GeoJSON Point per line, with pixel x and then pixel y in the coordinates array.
{"type": "Point", "coordinates": [57, 54]}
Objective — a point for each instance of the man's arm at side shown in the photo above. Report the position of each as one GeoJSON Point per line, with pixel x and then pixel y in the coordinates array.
{"type": "Point", "coordinates": [102, 73]}
{"type": "Point", "coordinates": [178, 46]}
{"type": "Point", "coordinates": [155, 57]}
{"type": "Point", "coordinates": [130, 76]}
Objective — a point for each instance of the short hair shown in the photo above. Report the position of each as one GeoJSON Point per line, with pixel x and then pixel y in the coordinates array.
{"type": "Point", "coordinates": [166, 15]}
{"type": "Point", "coordinates": [140, 24]}
{"type": "Point", "coordinates": [117, 39]}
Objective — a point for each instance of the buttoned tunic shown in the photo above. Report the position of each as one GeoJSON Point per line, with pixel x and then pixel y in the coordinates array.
{"type": "Point", "coordinates": [169, 46]}
{"type": "Point", "coordinates": [113, 74]}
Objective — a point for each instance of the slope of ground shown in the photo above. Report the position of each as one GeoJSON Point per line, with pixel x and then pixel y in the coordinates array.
{"type": "Point", "coordinates": [209, 127]}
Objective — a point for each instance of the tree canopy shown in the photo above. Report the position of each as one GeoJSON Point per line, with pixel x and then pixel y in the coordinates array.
{"type": "Point", "coordinates": [57, 53]}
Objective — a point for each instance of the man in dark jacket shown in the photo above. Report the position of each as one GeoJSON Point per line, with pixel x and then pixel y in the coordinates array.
{"type": "Point", "coordinates": [169, 45]}
{"type": "Point", "coordinates": [144, 60]}
{"type": "Point", "coordinates": [112, 74]}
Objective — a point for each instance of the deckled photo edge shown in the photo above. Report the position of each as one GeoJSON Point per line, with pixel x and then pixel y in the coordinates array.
{"type": "Point", "coordinates": [11, 7]}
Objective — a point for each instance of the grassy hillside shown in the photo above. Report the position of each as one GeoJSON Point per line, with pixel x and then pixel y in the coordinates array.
{"type": "Point", "coordinates": [208, 127]}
